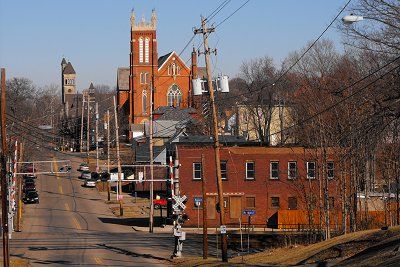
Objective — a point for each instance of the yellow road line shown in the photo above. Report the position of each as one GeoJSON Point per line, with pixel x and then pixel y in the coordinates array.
{"type": "Point", "coordinates": [67, 207]}
{"type": "Point", "coordinates": [60, 188]}
{"type": "Point", "coordinates": [77, 225]}
{"type": "Point", "coordinates": [56, 168]}
{"type": "Point", "coordinates": [98, 260]}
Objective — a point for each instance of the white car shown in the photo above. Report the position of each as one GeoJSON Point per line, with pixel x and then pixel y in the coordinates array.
{"type": "Point", "coordinates": [89, 183]}
{"type": "Point", "coordinates": [83, 167]}
{"type": "Point", "coordinates": [86, 175]}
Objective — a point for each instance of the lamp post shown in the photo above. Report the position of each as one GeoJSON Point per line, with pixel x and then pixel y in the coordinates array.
{"type": "Point", "coordinates": [350, 19]}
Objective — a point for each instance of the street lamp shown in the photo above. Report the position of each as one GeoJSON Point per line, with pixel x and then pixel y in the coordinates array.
{"type": "Point", "coordinates": [350, 19]}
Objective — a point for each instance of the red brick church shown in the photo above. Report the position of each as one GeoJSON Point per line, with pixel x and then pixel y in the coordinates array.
{"type": "Point", "coordinates": [169, 74]}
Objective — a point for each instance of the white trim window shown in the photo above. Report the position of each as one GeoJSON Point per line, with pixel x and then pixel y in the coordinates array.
{"type": "Point", "coordinates": [292, 170]}
{"type": "Point", "coordinates": [250, 170]}
{"type": "Point", "coordinates": [274, 170]}
{"type": "Point", "coordinates": [330, 169]}
{"type": "Point", "coordinates": [174, 96]}
{"type": "Point", "coordinates": [311, 168]}
{"type": "Point", "coordinates": [146, 50]}
{"type": "Point", "coordinates": [140, 50]}
{"type": "Point", "coordinates": [144, 102]}
{"type": "Point", "coordinates": [197, 173]}
{"type": "Point", "coordinates": [144, 77]}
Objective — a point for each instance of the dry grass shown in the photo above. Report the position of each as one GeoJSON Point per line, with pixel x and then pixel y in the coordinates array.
{"type": "Point", "coordinates": [292, 255]}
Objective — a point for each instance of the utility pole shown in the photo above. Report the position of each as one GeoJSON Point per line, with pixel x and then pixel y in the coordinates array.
{"type": "Point", "coordinates": [108, 154]}
{"type": "Point", "coordinates": [204, 203]}
{"type": "Point", "coordinates": [206, 31]}
{"type": "Point", "coordinates": [4, 182]}
{"type": "Point", "coordinates": [88, 127]}
{"type": "Point", "coordinates": [19, 211]}
{"type": "Point", "coordinates": [83, 112]}
{"type": "Point", "coordinates": [151, 219]}
{"type": "Point", "coordinates": [97, 137]}
{"type": "Point", "coordinates": [121, 209]}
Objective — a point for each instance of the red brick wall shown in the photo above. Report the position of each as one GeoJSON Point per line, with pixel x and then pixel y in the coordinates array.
{"type": "Point", "coordinates": [262, 187]}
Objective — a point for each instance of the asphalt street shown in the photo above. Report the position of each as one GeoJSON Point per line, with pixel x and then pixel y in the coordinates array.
{"type": "Point", "coordinates": [73, 226]}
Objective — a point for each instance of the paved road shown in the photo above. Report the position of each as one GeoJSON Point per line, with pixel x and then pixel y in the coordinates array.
{"type": "Point", "coordinates": [73, 226]}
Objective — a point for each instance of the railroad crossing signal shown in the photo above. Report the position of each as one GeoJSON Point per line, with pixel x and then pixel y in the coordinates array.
{"type": "Point", "coordinates": [179, 205]}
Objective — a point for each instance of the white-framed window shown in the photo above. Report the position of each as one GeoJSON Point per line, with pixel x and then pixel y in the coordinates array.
{"type": "Point", "coordinates": [292, 170]}
{"type": "Point", "coordinates": [144, 77]}
{"type": "Point", "coordinates": [330, 169]}
{"type": "Point", "coordinates": [174, 96]}
{"type": "Point", "coordinates": [250, 170]}
{"type": "Point", "coordinates": [311, 169]}
{"type": "Point", "coordinates": [274, 170]}
{"type": "Point", "coordinates": [144, 102]}
{"type": "Point", "coordinates": [224, 169]}
{"type": "Point", "coordinates": [197, 171]}
{"type": "Point", "coordinates": [140, 50]}
{"type": "Point", "coordinates": [146, 50]}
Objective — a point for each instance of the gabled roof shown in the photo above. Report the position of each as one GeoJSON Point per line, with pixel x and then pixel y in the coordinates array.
{"type": "Point", "coordinates": [165, 58]}
{"type": "Point", "coordinates": [69, 69]}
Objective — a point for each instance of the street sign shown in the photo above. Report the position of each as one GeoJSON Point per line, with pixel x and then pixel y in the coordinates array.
{"type": "Point", "coordinates": [198, 199]}
{"type": "Point", "coordinates": [249, 212]}
{"type": "Point", "coordinates": [179, 202]}
{"type": "Point", "coordinates": [222, 229]}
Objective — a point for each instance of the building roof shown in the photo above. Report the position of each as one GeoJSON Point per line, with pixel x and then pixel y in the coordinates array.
{"type": "Point", "coordinates": [123, 79]}
{"type": "Point", "coordinates": [163, 58]}
{"type": "Point", "coordinates": [91, 87]}
{"type": "Point", "coordinates": [174, 113]}
{"type": "Point", "coordinates": [69, 69]}
{"type": "Point", "coordinates": [224, 139]}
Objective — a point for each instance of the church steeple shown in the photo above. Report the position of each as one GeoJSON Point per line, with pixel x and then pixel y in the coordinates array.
{"type": "Point", "coordinates": [153, 18]}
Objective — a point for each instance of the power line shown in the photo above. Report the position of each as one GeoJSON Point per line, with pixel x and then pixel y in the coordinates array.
{"type": "Point", "coordinates": [233, 13]}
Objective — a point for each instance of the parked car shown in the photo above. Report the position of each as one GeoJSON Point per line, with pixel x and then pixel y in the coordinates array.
{"type": "Point", "coordinates": [86, 175]}
{"type": "Point", "coordinates": [31, 197]}
{"type": "Point", "coordinates": [28, 181]}
{"type": "Point", "coordinates": [89, 183]}
{"type": "Point", "coordinates": [83, 167]}
{"type": "Point", "coordinates": [65, 168]}
{"type": "Point", "coordinates": [29, 176]}
{"type": "Point", "coordinates": [29, 186]}
{"type": "Point", "coordinates": [160, 202]}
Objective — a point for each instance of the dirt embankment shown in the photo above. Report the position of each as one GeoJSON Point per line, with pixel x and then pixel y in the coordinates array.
{"type": "Point", "coordinates": [364, 248]}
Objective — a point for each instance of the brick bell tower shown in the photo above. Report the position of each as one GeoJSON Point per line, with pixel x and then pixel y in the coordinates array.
{"type": "Point", "coordinates": [143, 67]}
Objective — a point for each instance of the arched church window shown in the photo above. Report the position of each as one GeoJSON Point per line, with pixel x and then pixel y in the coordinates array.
{"type": "Point", "coordinates": [146, 50]}
{"type": "Point", "coordinates": [174, 96]}
{"type": "Point", "coordinates": [141, 50]}
{"type": "Point", "coordinates": [144, 102]}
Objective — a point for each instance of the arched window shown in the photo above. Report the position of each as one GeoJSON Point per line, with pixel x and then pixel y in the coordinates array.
{"type": "Point", "coordinates": [144, 77]}
{"type": "Point", "coordinates": [174, 96]}
{"type": "Point", "coordinates": [146, 50]}
{"type": "Point", "coordinates": [144, 102]}
{"type": "Point", "coordinates": [141, 50]}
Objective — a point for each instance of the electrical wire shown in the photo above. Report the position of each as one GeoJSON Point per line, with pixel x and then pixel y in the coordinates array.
{"type": "Point", "coordinates": [233, 13]}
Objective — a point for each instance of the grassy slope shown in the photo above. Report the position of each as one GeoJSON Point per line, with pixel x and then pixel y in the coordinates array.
{"type": "Point", "coordinates": [297, 255]}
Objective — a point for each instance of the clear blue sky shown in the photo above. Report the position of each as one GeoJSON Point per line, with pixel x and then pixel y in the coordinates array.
{"type": "Point", "coordinates": [94, 34]}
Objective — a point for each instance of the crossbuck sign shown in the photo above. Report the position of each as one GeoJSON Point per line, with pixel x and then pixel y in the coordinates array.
{"type": "Point", "coordinates": [179, 202]}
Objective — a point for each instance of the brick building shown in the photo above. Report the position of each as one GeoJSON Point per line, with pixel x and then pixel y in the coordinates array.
{"type": "Point", "coordinates": [169, 74]}
{"type": "Point", "coordinates": [264, 179]}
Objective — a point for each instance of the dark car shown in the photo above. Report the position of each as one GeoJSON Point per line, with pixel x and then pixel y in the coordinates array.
{"type": "Point", "coordinates": [31, 197]}
{"type": "Point", "coordinates": [29, 181]}
{"type": "Point", "coordinates": [29, 176]}
{"type": "Point", "coordinates": [29, 186]}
